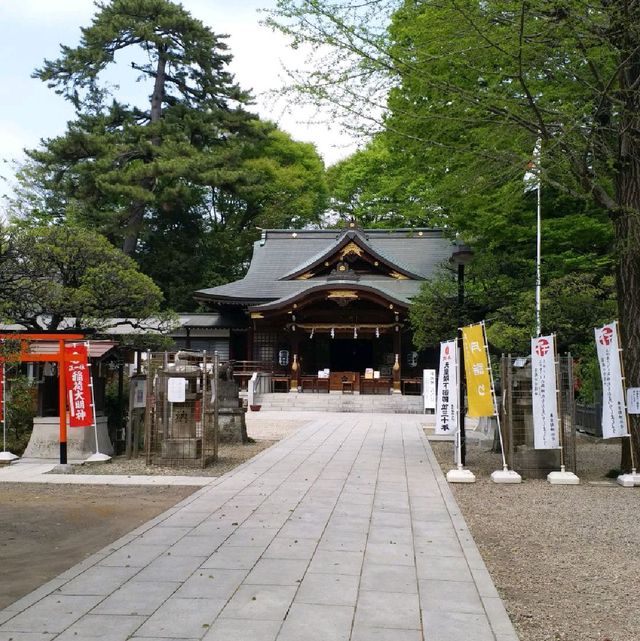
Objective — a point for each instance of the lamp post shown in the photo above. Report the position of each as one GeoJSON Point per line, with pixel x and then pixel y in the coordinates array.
{"type": "Point", "coordinates": [461, 256]}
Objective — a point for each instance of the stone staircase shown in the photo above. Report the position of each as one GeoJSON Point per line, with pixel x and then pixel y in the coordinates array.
{"type": "Point", "coordinates": [338, 402]}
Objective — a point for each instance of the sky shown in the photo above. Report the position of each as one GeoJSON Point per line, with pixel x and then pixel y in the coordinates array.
{"type": "Point", "coordinates": [32, 30]}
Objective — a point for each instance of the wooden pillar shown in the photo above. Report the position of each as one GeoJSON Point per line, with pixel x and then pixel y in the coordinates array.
{"type": "Point", "coordinates": [295, 363]}
{"type": "Point", "coordinates": [62, 402]}
{"type": "Point", "coordinates": [397, 349]}
{"type": "Point", "coordinates": [249, 352]}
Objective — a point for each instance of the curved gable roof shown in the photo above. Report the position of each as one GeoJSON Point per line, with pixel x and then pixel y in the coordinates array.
{"type": "Point", "coordinates": [359, 239]}
{"type": "Point", "coordinates": [280, 253]}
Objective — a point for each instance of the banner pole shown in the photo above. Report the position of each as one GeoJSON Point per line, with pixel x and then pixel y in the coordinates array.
{"type": "Point", "coordinates": [458, 474]}
{"type": "Point", "coordinates": [5, 456]}
{"type": "Point", "coordinates": [98, 457]}
{"type": "Point", "coordinates": [493, 396]}
{"type": "Point", "coordinates": [505, 475]}
{"type": "Point", "coordinates": [624, 400]}
{"type": "Point", "coordinates": [558, 403]}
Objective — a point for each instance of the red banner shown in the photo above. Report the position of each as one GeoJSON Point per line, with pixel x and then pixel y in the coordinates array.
{"type": "Point", "coordinates": [78, 379]}
{"type": "Point", "coordinates": [2, 393]}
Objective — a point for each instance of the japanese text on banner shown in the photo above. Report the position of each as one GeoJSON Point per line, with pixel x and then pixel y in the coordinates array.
{"type": "Point", "coordinates": [614, 415]}
{"type": "Point", "coordinates": [546, 435]}
{"type": "Point", "coordinates": [447, 401]}
{"type": "Point", "coordinates": [476, 367]}
{"type": "Point", "coordinates": [2, 393]}
{"type": "Point", "coordinates": [78, 382]}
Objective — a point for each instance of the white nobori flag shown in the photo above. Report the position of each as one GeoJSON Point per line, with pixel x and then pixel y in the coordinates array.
{"type": "Point", "coordinates": [614, 411]}
{"type": "Point", "coordinates": [447, 403]}
{"type": "Point", "coordinates": [546, 434]}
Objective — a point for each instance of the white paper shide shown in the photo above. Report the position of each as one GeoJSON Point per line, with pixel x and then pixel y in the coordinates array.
{"type": "Point", "coordinates": [546, 434]}
{"type": "Point", "coordinates": [447, 405]}
{"type": "Point", "coordinates": [614, 415]}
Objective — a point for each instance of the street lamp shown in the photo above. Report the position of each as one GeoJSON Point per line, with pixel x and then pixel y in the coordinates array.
{"type": "Point", "coordinates": [461, 256]}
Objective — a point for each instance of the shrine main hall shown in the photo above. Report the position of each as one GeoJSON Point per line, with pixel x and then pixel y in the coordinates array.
{"type": "Point", "coordinates": [328, 310]}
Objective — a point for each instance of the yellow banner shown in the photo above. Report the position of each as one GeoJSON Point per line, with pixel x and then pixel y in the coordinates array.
{"type": "Point", "coordinates": [476, 369]}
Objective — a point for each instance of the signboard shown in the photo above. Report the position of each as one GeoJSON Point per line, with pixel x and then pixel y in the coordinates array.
{"type": "Point", "coordinates": [633, 400]}
{"type": "Point", "coordinates": [78, 383]}
{"type": "Point", "coordinates": [546, 435]}
{"type": "Point", "coordinates": [447, 401]}
{"type": "Point", "coordinates": [429, 388]}
{"type": "Point", "coordinates": [476, 367]}
{"type": "Point", "coordinates": [176, 390]}
{"type": "Point", "coordinates": [139, 393]}
{"type": "Point", "coordinates": [614, 415]}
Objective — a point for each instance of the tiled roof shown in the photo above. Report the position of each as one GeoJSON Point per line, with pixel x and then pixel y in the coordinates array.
{"type": "Point", "coordinates": [282, 252]}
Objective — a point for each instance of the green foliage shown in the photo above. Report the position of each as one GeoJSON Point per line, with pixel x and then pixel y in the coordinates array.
{"type": "Point", "coordinates": [180, 182]}
{"type": "Point", "coordinates": [373, 187]}
{"type": "Point", "coordinates": [20, 410]}
{"type": "Point", "coordinates": [60, 272]}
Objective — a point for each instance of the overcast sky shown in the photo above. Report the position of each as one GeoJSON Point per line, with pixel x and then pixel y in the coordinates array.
{"type": "Point", "coordinates": [32, 30]}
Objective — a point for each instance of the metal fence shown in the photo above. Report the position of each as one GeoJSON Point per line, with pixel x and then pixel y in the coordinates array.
{"type": "Point", "coordinates": [517, 420]}
{"type": "Point", "coordinates": [181, 417]}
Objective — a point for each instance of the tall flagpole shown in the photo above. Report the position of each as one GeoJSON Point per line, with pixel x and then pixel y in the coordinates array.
{"type": "Point", "coordinates": [538, 252]}
{"type": "Point", "coordinates": [537, 156]}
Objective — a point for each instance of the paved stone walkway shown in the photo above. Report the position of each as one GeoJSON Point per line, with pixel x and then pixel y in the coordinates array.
{"type": "Point", "coordinates": [344, 531]}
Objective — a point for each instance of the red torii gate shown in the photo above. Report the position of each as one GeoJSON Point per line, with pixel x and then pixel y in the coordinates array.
{"type": "Point", "coordinates": [47, 347]}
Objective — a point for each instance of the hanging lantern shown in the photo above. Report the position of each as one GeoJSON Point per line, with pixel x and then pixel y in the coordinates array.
{"type": "Point", "coordinates": [355, 332]}
{"type": "Point", "coordinates": [313, 329]}
{"type": "Point", "coordinates": [333, 333]}
{"type": "Point", "coordinates": [377, 332]}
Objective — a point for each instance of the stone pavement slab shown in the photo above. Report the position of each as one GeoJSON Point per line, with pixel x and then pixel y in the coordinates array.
{"type": "Point", "coordinates": [344, 531]}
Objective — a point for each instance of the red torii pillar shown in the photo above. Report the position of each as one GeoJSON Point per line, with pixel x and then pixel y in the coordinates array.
{"type": "Point", "coordinates": [27, 356]}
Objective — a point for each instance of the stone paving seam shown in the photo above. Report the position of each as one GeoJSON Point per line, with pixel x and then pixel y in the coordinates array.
{"type": "Point", "coordinates": [53, 585]}
{"type": "Point", "coordinates": [208, 489]}
{"type": "Point", "coordinates": [375, 488]}
{"type": "Point", "coordinates": [239, 491]}
{"type": "Point", "coordinates": [353, 463]}
{"type": "Point", "coordinates": [499, 620]}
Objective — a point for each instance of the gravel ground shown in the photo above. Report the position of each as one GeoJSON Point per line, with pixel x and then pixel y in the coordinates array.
{"type": "Point", "coordinates": [265, 429]}
{"type": "Point", "coordinates": [564, 558]}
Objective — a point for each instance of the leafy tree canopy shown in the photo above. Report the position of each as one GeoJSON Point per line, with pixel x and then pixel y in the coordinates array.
{"type": "Point", "coordinates": [181, 180]}
{"type": "Point", "coordinates": [50, 274]}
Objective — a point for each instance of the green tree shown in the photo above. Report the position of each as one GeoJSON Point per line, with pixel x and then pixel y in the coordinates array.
{"type": "Point", "coordinates": [123, 154]}
{"type": "Point", "coordinates": [60, 272]}
{"type": "Point", "coordinates": [474, 85]}
{"type": "Point", "coordinates": [179, 182]}
{"type": "Point", "coordinates": [373, 187]}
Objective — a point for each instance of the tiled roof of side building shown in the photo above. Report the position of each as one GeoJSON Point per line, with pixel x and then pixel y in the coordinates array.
{"type": "Point", "coordinates": [282, 252]}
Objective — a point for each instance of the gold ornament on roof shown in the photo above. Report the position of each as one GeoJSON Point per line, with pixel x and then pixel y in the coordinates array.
{"type": "Point", "coordinates": [351, 248]}
{"type": "Point", "coordinates": [342, 294]}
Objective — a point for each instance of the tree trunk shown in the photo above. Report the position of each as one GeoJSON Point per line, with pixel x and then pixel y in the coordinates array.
{"type": "Point", "coordinates": [627, 232]}
{"type": "Point", "coordinates": [137, 208]}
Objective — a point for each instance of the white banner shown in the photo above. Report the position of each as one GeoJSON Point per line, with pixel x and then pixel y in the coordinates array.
{"type": "Point", "coordinates": [429, 388]}
{"type": "Point", "coordinates": [614, 414]}
{"type": "Point", "coordinates": [447, 405]}
{"type": "Point", "coordinates": [546, 434]}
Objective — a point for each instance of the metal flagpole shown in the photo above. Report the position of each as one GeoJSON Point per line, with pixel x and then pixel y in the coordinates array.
{"type": "Point", "coordinates": [459, 474]}
{"type": "Point", "coordinates": [558, 401]}
{"type": "Point", "coordinates": [562, 477]}
{"type": "Point", "coordinates": [626, 480]}
{"type": "Point", "coordinates": [505, 475]}
{"type": "Point", "coordinates": [538, 252]}
{"type": "Point", "coordinates": [5, 455]}
{"type": "Point", "coordinates": [98, 457]}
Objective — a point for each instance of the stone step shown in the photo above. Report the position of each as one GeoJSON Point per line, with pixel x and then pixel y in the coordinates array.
{"type": "Point", "coordinates": [394, 404]}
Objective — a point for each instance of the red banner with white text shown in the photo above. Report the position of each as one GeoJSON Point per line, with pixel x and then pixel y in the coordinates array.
{"type": "Point", "coordinates": [2, 393]}
{"type": "Point", "coordinates": [78, 381]}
